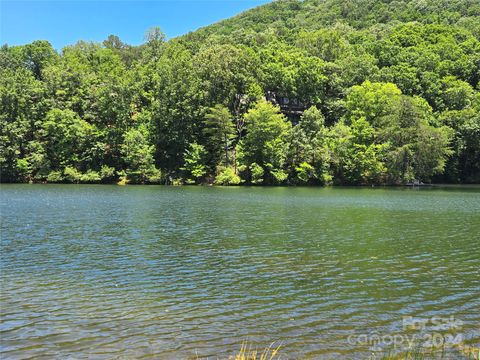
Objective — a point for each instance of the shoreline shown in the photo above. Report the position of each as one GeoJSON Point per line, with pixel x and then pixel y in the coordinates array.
{"type": "Point", "coordinates": [432, 185]}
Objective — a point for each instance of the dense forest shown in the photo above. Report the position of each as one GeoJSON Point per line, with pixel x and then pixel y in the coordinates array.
{"type": "Point", "coordinates": [292, 92]}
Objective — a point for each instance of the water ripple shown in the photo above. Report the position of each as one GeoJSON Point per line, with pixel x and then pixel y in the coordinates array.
{"type": "Point", "coordinates": [152, 272]}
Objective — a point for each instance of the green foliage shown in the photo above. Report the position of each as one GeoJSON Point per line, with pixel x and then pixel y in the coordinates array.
{"type": "Point", "coordinates": [266, 141]}
{"type": "Point", "coordinates": [256, 172]}
{"type": "Point", "coordinates": [305, 172]}
{"type": "Point", "coordinates": [65, 136]}
{"type": "Point", "coordinates": [371, 101]}
{"type": "Point", "coordinates": [456, 94]}
{"type": "Point", "coordinates": [220, 132]}
{"type": "Point", "coordinates": [225, 70]}
{"type": "Point", "coordinates": [138, 157]}
{"type": "Point", "coordinates": [172, 98]}
{"type": "Point", "coordinates": [90, 177]}
{"type": "Point", "coordinates": [290, 72]}
{"type": "Point", "coordinates": [55, 176]}
{"type": "Point", "coordinates": [37, 56]}
{"type": "Point", "coordinates": [194, 165]}
{"type": "Point", "coordinates": [356, 159]}
{"type": "Point", "coordinates": [378, 92]}
{"type": "Point", "coordinates": [71, 174]}
{"type": "Point", "coordinates": [227, 177]}
{"type": "Point", "coordinates": [23, 168]}
{"type": "Point", "coordinates": [309, 155]}
{"type": "Point", "coordinates": [107, 173]}
{"type": "Point", "coordinates": [410, 147]}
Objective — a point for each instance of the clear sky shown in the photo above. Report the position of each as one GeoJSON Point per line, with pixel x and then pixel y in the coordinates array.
{"type": "Point", "coordinates": [65, 22]}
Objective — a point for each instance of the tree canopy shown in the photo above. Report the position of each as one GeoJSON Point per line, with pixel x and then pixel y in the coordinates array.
{"type": "Point", "coordinates": [292, 92]}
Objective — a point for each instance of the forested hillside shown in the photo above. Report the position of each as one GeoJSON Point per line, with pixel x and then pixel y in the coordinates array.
{"type": "Point", "coordinates": [292, 92]}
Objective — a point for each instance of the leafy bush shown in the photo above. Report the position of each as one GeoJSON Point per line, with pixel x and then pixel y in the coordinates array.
{"type": "Point", "coordinates": [55, 176]}
{"type": "Point", "coordinates": [305, 172]}
{"type": "Point", "coordinates": [279, 175]}
{"type": "Point", "coordinates": [227, 177]}
{"type": "Point", "coordinates": [90, 177]}
{"type": "Point", "coordinates": [257, 173]}
{"type": "Point", "coordinates": [23, 167]}
{"type": "Point", "coordinates": [195, 163]}
{"type": "Point", "coordinates": [107, 173]}
{"type": "Point", "coordinates": [151, 175]}
{"type": "Point", "coordinates": [72, 175]}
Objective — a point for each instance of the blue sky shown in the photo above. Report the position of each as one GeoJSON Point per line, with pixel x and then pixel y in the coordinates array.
{"type": "Point", "coordinates": [65, 22]}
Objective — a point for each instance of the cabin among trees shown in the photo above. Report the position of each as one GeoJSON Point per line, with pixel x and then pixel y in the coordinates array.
{"type": "Point", "coordinates": [292, 108]}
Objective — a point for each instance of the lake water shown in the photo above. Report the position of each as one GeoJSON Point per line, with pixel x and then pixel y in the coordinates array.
{"type": "Point", "coordinates": [171, 272]}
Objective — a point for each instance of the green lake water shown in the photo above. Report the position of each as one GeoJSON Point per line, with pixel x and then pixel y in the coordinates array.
{"type": "Point", "coordinates": [170, 272]}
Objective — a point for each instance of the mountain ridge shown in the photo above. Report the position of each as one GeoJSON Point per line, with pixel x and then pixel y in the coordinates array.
{"type": "Point", "coordinates": [332, 11]}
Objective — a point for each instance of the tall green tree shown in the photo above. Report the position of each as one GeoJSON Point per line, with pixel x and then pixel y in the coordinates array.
{"type": "Point", "coordinates": [194, 165]}
{"type": "Point", "coordinates": [416, 149]}
{"type": "Point", "coordinates": [172, 98]}
{"type": "Point", "coordinates": [66, 137]}
{"type": "Point", "coordinates": [356, 158]}
{"type": "Point", "coordinates": [220, 131]}
{"type": "Point", "coordinates": [266, 141]}
{"type": "Point", "coordinates": [138, 157]}
{"type": "Point", "coordinates": [23, 104]}
{"type": "Point", "coordinates": [308, 152]}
